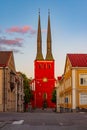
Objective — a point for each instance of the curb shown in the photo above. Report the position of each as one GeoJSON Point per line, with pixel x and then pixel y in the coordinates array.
{"type": "Point", "coordinates": [2, 124]}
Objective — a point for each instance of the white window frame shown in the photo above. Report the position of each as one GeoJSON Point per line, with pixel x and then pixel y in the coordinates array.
{"type": "Point", "coordinates": [83, 98]}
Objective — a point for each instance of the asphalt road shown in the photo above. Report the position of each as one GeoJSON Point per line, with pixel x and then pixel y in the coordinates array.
{"type": "Point", "coordinates": [43, 120]}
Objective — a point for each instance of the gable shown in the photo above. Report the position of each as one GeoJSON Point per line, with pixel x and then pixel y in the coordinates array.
{"type": "Point", "coordinates": [4, 57]}
{"type": "Point", "coordinates": [11, 63]}
{"type": "Point", "coordinates": [67, 65]}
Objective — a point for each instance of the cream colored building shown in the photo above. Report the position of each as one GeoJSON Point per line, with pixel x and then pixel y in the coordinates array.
{"type": "Point", "coordinates": [19, 93]}
{"type": "Point", "coordinates": [7, 81]}
{"type": "Point", "coordinates": [72, 86]}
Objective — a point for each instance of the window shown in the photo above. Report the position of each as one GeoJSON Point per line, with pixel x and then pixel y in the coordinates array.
{"type": "Point", "coordinates": [66, 100]}
{"type": "Point", "coordinates": [83, 98]}
{"type": "Point", "coordinates": [83, 79]}
{"type": "Point", "coordinates": [40, 66]}
{"type": "Point", "coordinates": [49, 66]}
{"type": "Point", "coordinates": [18, 97]}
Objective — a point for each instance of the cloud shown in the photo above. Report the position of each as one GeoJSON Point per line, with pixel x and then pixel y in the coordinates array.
{"type": "Point", "coordinates": [14, 42]}
{"type": "Point", "coordinates": [22, 30]}
{"type": "Point", "coordinates": [33, 32]}
{"type": "Point", "coordinates": [11, 49]}
{"type": "Point", "coordinates": [3, 48]}
{"type": "Point", "coordinates": [16, 51]}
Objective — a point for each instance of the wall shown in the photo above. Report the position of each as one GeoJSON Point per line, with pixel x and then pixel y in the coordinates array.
{"type": "Point", "coordinates": [44, 82]}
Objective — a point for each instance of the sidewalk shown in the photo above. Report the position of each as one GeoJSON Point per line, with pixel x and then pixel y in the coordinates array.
{"type": "Point", "coordinates": [39, 110]}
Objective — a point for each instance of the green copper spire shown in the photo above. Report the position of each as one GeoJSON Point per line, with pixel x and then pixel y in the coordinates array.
{"type": "Point", "coordinates": [39, 55]}
{"type": "Point", "coordinates": [49, 55]}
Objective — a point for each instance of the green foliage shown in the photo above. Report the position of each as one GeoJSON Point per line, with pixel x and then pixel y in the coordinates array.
{"type": "Point", "coordinates": [28, 95]}
{"type": "Point", "coordinates": [54, 96]}
{"type": "Point", "coordinates": [27, 91]}
{"type": "Point", "coordinates": [26, 81]}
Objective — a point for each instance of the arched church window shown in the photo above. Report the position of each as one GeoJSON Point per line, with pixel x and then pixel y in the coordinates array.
{"type": "Point", "coordinates": [40, 66]}
{"type": "Point", "coordinates": [49, 66]}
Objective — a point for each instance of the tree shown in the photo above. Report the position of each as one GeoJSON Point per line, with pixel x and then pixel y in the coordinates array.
{"type": "Point", "coordinates": [54, 96]}
{"type": "Point", "coordinates": [27, 91]}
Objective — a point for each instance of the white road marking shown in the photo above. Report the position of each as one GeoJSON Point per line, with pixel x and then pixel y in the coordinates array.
{"type": "Point", "coordinates": [18, 122]}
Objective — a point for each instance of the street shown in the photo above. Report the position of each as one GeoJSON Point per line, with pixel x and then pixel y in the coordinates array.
{"type": "Point", "coordinates": [43, 120]}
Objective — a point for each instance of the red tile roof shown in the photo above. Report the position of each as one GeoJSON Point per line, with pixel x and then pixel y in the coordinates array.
{"type": "Point", "coordinates": [59, 77]}
{"type": "Point", "coordinates": [78, 60]}
{"type": "Point", "coordinates": [4, 57]}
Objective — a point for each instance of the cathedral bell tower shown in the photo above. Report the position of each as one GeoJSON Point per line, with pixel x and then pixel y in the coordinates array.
{"type": "Point", "coordinates": [44, 70]}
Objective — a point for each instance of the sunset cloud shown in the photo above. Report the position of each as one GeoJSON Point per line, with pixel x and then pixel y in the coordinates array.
{"type": "Point", "coordinates": [12, 42]}
{"type": "Point", "coordinates": [16, 51]}
{"type": "Point", "coordinates": [3, 48]}
{"type": "Point", "coordinates": [21, 30]}
{"type": "Point", "coordinates": [11, 49]}
{"type": "Point", "coordinates": [33, 32]}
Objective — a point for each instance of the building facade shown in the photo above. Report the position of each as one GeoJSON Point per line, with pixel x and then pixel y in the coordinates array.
{"type": "Point", "coordinates": [44, 77]}
{"type": "Point", "coordinates": [19, 92]}
{"type": "Point", "coordinates": [7, 81]}
{"type": "Point", "coordinates": [72, 86]}
{"type": "Point", "coordinates": [11, 84]}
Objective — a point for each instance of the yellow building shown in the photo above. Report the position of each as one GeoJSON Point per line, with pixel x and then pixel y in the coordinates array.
{"type": "Point", "coordinates": [72, 86]}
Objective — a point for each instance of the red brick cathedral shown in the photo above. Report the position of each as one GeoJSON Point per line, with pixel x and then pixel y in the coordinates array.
{"type": "Point", "coordinates": [44, 70]}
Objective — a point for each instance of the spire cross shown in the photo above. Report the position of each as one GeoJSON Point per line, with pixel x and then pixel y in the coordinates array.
{"type": "Point", "coordinates": [48, 11]}
{"type": "Point", "coordinates": [39, 11]}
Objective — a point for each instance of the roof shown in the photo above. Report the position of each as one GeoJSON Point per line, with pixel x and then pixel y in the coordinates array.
{"type": "Point", "coordinates": [32, 81]}
{"type": "Point", "coordinates": [78, 60]}
{"type": "Point", "coordinates": [4, 57]}
{"type": "Point", "coordinates": [59, 77]}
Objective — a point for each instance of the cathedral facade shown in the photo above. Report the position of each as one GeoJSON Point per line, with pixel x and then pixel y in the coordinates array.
{"type": "Point", "coordinates": [44, 75]}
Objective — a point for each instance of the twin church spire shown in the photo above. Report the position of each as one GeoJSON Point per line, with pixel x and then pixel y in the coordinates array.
{"type": "Point", "coordinates": [39, 55]}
